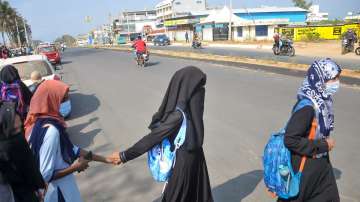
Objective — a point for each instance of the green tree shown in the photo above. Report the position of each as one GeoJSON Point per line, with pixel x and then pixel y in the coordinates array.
{"type": "Point", "coordinates": [67, 39]}
{"type": "Point", "coordinates": [302, 4]}
{"type": "Point", "coordinates": [12, 24]}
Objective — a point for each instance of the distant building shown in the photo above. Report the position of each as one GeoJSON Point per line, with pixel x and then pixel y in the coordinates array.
{"type": "Point", "coordinates": [247, 24]}
{"type": "Point", "coordinates": [133, 23]}
{"type": "Point", "coordinates": [352, 16]}
{"type": "Point", "coordinates": [315, 15]}
{"type": "Point", "coordinates": [168, 9]}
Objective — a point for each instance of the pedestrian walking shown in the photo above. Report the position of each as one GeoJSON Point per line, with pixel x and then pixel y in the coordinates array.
{"type": "Point", "coordinates": [189, 180]}
{"type": "Point", "coordinates": [20, 178]}
{"type": "Point", "coordinates": [187, 37]}
{"type": "Point", "coordinates": [318, 181]}
{"type": "Point", "coordinates": [14, 90]}
{"type": "Point", "coordinates": [57, 157]}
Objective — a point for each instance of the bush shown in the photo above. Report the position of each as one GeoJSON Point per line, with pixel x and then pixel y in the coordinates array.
{"type": "Point", "coordinates": [312, 37]}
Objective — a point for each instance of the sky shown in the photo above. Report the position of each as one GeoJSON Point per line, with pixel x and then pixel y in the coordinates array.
{"type": "Point", "coordinates": [50, 19]}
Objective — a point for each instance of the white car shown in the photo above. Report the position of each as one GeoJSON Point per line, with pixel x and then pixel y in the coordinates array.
{"type": "Point", "coordinates": [27, 64]}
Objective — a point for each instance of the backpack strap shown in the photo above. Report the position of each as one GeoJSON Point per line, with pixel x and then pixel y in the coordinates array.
{"type": "Point", "coordinates": [311, 137]}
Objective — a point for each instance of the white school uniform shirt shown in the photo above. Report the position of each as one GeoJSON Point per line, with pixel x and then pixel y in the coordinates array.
{"type": "Point", "coordinates": [51, 161]}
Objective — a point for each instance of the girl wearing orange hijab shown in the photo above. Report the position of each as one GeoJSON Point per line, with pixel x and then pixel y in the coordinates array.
{"type": "Point", "coordinates": [55, 154]}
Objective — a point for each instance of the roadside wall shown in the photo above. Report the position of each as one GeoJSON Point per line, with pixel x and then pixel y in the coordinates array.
{"type": "Point", "coordinates": [324, 32]}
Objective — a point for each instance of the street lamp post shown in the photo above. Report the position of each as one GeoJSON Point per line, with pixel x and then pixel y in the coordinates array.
{"type": "Point", "coordinates": [230, 21]}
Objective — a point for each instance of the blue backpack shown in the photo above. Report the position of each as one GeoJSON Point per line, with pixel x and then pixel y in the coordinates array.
{"type": "Point", "coordinates": [161, 159]}
{"type": "Point", "coordinates": [279, 176]}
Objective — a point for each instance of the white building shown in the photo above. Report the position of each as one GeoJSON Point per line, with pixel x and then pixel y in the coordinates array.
{"type": "Point", "coordinates": [133, 23]}
{"type": "Point", "coordinates": [176, 8]}
{"type": "Point", "coordinates": [315, 15]}
{"type": "Point", "coordinates": [352, 16]}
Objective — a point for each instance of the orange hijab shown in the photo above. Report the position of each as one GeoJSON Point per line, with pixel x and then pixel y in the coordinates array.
{"type": "Point", "coordinates": [45, 103]}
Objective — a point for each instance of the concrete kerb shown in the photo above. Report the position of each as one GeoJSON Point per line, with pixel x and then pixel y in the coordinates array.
{"type": "Point", "coordinates": [351, 77]}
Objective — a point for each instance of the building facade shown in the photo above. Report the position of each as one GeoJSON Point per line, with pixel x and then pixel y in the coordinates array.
{"type": "Point", "coordinates": [248, 24]}
{"type": "Point", "coordinates": [168, 9]}
{"type": "Point", "coordinates": [315, 15]}
{"type": "Point", "coordinates": [134, 23]}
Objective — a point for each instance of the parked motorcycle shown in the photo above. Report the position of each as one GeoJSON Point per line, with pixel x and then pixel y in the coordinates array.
{"type": "Point", "coordinates": [347, 46]}
{"type": "Point", "coordinates": [286, 48]}
{"type": "Point", "coordinates": [196, 44]}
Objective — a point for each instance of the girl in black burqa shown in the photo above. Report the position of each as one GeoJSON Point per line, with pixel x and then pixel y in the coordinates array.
{"type": "Point", "coordinates": [189, 181]}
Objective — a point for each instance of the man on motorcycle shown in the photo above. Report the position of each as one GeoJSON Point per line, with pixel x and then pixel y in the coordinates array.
{"type": "Point", "coordinates": [351, 36]}
{"type": "Point", "coordinates": [140, 46]}
{"type": "Point", "coordinates": [277, 39]}
{"type": "Point", "coordinates": [196, 41]}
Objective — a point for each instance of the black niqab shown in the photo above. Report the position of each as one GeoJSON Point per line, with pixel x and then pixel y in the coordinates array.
{"type": "Point", "coordinates": [186, 91]}
{"type": "Point", "coordinates": [9, 74]}
{"type": "Point", "coordinates": [7, 118]}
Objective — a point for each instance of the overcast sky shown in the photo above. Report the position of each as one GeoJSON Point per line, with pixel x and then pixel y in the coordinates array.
{"type": "Point", "coordinates": [52, 18]}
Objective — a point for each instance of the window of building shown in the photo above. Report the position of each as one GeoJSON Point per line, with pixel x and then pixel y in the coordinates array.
{"type": "Point", "coordinates": [239, 31]}
{"type": "Point", "coordinates": [199, 2]}
{"type": "Point", "coordinates": [178, 3]}
{"type": "Point", "coordinates": [261, 30]}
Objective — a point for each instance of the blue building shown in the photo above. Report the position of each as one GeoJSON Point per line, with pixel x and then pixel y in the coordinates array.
{"type": "Point", "coordinates": [260, 23]}
{"type": "Point", "coordinates": [246, 24]}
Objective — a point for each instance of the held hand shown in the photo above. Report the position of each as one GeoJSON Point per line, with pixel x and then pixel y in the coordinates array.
{"type": "Point", "coordinates": [331, 143]}
{"type": "Point", "coordinates": [81, 164]}
{"type": "Point", "coordinates": [114, 158]}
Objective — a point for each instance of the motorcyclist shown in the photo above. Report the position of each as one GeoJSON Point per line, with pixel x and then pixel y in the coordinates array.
{"type": "Point", "coordinates": [140, 46]}
{"type": "Point", "coordinates": [196, 41]}
{"type": "Point", "coordinates": [351, 36]}
{"type": "Point", "coordinates": [277, 39]}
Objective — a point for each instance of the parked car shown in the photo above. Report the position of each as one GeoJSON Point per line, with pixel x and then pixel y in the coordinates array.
{"type": "Point", "coordinates": [161, 40]}
{"type": "Point", "coordinates": [51, 52]}
{"type": "Point", "coordinates": [28, 64]}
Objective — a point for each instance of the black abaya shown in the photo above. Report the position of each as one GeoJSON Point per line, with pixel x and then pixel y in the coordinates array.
{"type": "Point", "coordinates": [189, 181]}
{"type": "Point", "coordinates": [318, 182]}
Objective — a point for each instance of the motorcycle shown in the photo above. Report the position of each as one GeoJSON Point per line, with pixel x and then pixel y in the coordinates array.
{"type": "Point", "coordinates": [142, 59]}
{"type": "Point", "coordinates": [347, 46]}
{"type": "Point", "coordinates": [196, 45]}
{"type": "Point", "coordinates": [286, 48]}
{"type": "Point", "coordinates": [357, 50]}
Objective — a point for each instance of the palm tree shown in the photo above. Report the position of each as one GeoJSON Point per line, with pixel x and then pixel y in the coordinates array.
{"type": "Point", "coordinates": [12, 24]}
{"type": "Point", "coordinates": [6, 13]}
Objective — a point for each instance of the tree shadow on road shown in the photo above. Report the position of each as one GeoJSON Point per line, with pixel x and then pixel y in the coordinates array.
{"type": "Point", "coordinates": [83, 139]}
{"type": "Point", "coordinates": [238, 188]}
{"type": "Point", "coordinates": [82, 104]}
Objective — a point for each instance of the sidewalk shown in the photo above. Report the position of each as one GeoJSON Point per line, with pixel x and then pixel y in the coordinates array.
{"type": "Point", "coordinates": [330, 48]}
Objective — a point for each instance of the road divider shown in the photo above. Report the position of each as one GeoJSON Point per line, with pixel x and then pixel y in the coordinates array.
{"type": "Point", "coordinates": [351, 77]}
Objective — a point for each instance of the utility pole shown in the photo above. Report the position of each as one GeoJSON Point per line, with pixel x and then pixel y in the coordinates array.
{"type": "Point", "coordinates": [230, 21]}
{"type": "Point", "coordinates": [18, 33]}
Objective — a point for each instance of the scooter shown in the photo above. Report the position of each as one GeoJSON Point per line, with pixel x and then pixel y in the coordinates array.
{"type": "Point", "coordinates": [284, 48]}
{"type": "Point", "coordinates": [196, 45]}
{"type": "Point", "coordinates": [357, 50]}
{"type": "Point", "coordinates": [347, 46]}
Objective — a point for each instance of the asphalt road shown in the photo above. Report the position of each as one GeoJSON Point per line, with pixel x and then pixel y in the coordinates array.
{"type": "Point", "coordinates": [264, 54]}
{"type": "Point", "coordinates": [113, 101]}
